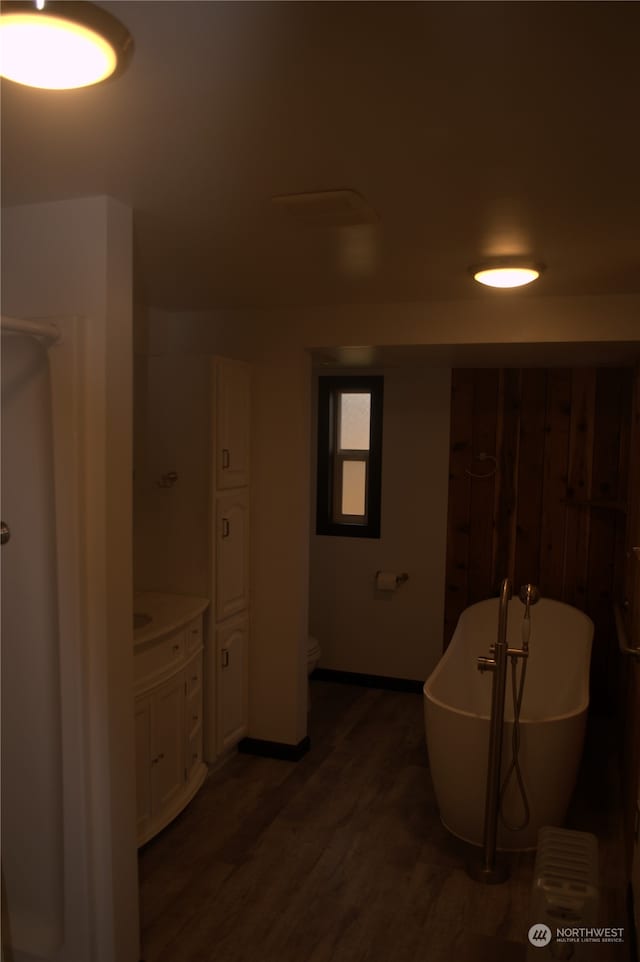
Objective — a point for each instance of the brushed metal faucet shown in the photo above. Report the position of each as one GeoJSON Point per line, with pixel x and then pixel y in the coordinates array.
{"type": "Point", "coordinates": [489, 871]}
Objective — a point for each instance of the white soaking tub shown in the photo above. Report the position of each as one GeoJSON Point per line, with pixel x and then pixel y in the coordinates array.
{"type": "Point", "coordinates": [457, 701]}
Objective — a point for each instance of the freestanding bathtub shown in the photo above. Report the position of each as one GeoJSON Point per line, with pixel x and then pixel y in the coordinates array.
{"type": "Point", "coordinates": [457, 700]}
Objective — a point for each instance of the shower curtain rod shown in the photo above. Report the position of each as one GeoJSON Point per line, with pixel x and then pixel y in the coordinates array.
{"type": "Point", "coordinates": [44, 329]}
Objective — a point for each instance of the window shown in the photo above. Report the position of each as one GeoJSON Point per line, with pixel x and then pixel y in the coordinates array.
{"type": "Point", "coordinates": [349, 456]}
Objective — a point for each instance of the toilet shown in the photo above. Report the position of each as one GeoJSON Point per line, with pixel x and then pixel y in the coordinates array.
{"type": "Point", "coordinates": [313, 654]}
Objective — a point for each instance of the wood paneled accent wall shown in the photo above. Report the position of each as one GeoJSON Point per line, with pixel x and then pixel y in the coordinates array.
{"type": "Point", "coordinates": [553, 510]}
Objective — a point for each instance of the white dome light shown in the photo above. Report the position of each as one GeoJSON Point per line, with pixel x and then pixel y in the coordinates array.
{"type": "Point", "coordinates": [61, 47]}
{"type": "Point", "coordinates": [506, 276]}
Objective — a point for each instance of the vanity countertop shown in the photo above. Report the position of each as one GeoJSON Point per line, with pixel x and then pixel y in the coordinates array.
{"type": "Point", "coordinates": [167, 612]}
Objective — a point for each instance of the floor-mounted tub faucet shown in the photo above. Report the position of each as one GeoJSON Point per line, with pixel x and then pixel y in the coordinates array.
{"type": "Point", "coordinates": [488, 871]}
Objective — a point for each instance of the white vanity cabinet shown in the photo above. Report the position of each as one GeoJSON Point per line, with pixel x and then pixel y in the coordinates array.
{"type": "Point", "coordinates": [193, 715]}
{"type": "Point", "coordinates": [168, 673]}
{"type": "Point", "coordinates": [143, 737]}
{"type": "Point", "coordinates": [167, 743]}
{"type": "Point", "coordinates": [160, 756]}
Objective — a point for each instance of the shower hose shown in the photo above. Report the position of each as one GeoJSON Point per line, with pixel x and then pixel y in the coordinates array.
{"type": "Point", "coordinates": [514, 768]}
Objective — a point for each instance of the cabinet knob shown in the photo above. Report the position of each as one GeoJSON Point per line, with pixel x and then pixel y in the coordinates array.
{"type": "Point", "coordinates": [226, 458]}
{"type": "Point", "coordinates": [194, 678]}
{"type": "Point", "coordinates": [226, 528]}
{"type": "Point", "coordinates": [176, 647]}
{"type": "Point", "coordinates": [225, 657]}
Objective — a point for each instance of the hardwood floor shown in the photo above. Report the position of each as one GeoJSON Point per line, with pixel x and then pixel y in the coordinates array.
{"type": "Point", "coordinates": [339, 857]}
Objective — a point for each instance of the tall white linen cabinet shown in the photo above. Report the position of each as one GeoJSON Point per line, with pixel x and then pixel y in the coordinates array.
{"type": "Point", "coordinates": [226, 657]}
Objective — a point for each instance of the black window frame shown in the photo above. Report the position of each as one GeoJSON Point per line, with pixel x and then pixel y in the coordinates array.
{"type": "Point", "coordinates": [328, 388]}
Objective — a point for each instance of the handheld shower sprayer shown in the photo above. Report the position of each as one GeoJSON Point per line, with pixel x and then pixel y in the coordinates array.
{"type": "Point", "coordinates": [529, 595]}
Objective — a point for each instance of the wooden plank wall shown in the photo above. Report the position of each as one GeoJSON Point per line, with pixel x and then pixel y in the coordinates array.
{"type": "Point", "coordinates": [629, 697]}
{"type": "Point", "coordinates": [553, 510]}
{"type": "Point", "coordinates": [629, 731]}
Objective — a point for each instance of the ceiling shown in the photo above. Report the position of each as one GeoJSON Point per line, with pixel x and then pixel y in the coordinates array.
{"type": "Point", "coordinates": [470, 130]}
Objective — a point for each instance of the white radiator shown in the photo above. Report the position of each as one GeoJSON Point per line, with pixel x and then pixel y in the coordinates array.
{"type": "Point", "coordinates": [564, 894]}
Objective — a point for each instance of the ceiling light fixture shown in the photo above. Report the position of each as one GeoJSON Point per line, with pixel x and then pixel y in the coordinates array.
{"type": "Point", "coordinates": [61, 44]}
{"type": "Point", "coordinates": [506, 272]}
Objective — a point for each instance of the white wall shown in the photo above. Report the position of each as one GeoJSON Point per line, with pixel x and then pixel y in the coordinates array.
{"type": "Point", "coordinates": [172, 434]}
{"type": "Point", "coordinates": [496, 317]}
{"type": "Point", "coordinates": [397, 634]}
{"type": "Point", "coordinates": [74, 258]}
{"type": "Point", "coordinates": [172, 405]}
{"type": "Point", "coordinates": [228, 333]}
{"type": "Point", "coordinates": [280, 544]}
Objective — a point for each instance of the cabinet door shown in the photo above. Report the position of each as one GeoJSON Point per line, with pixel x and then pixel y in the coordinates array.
{"type": "Point", "coordinates": [232, 554]}
{"type": "Point", "coordinates": [232, 682]}
{"type": "Point", "coordinates": [167, 763]}
{"type": "Point", "coordinates": [232, 419]}
{"type": "Point", "coordinates": [193, 715]}
{"type": "Point", "coordinates": [144, 747]}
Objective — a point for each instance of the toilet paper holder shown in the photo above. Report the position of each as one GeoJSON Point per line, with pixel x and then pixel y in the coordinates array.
{"type": "Point", "coordinates": [400, 579]}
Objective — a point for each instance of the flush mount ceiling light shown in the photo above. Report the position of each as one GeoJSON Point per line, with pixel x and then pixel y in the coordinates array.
{"type": "Point", "coordinates": [61, 44]}
{"type": "Point", "coordinates": [506, 273]}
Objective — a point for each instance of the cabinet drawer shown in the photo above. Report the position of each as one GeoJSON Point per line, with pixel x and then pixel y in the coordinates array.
{"type": "Point", "coordinates": [193, 713]}
{"type": "Point", "coordinates": [193, 677]}
{"type": "Point", "coordinates": [158, 658]}
{"type": "Point", "coordinates": [194, 752]}
{"type": "Point", "coordinates": [193, 633]}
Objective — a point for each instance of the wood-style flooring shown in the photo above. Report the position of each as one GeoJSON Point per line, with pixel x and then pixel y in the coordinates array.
{"type": "Point", "coordinates": [341, 856]}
